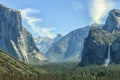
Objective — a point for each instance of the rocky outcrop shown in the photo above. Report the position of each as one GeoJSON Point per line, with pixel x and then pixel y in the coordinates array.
{"type": "Point", "coordinates": [57, 38]}
{"type": "Point", "coordinates": [14, 38]}
{"type": "Point", "coordinates": [113, 26]}
{"type": "Point", "coordinates": [96, 46]}
{"type": "Point", "coordinates": [99, 40]}
{"type": "Point", "coordinates": [113, 21]}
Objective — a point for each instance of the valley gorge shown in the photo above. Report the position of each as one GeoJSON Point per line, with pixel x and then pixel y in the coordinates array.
{"type": "Point", "coordinates": [87, 45]}
{"type": "Point", "coordinates": [59, 40]}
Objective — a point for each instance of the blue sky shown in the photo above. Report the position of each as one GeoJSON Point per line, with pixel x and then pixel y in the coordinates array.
{"type": "Point", "coordinates": [50, 17]}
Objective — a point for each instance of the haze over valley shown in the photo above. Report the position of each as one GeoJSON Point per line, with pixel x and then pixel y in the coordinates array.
{"type": "Point", "coordinates": [60, 40]}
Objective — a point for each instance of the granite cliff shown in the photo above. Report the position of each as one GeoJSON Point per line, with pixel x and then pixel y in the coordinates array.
{"type": "Point", "coordinates": [96, 45]}
{"type": "Point", "coordinates": [15, 39]}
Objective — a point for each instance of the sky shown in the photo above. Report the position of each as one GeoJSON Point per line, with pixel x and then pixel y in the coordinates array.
{"type": "Point", "coordinates": [48, 18]}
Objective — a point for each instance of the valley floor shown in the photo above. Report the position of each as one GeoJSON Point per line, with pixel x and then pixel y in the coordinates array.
{"type": "Point", "coordinates": [66, 71]}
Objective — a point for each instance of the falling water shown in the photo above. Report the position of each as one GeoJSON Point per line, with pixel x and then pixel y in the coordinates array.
{"type": "Point", "coordinates": [107, 61]}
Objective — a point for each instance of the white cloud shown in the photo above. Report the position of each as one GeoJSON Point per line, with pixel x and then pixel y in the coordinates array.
{"type": "Point", "coordinates": [32, 22]}
{"type": "Point", "coordinates": [26, 15]}
{"type": "Point", "coordinates": [47, 32]}
{"type": "Point", "coordinates": [99, 8]}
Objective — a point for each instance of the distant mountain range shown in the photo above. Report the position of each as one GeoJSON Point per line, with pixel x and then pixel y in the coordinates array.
{"type": "Point", "coordinates": [94, 44]}
{"type": "Point", "coordinates": [69, 47]}
{"type": "Point", "coordinates": [44, 43]}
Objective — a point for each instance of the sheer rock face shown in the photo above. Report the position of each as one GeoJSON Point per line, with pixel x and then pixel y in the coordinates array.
{"type": "Point", "coordinates": [113, 21]}
{"type": "Point", "coordinates": [115, 51]}
{"type": "Point", "coordinates": [96, 44]}
{"type": "Point", "coordinates": [14, 38]}
{"type": "Point", "coordinates": [113, 26]}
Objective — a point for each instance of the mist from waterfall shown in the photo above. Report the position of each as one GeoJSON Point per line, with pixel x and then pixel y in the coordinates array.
{"type": "Point", "coordinates": [107, 61]}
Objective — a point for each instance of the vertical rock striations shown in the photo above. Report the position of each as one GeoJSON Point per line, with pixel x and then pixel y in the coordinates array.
{"type": "Point", "coordinates": [96, 44]}
{"type": "Point", "coordinates": [14, 38]}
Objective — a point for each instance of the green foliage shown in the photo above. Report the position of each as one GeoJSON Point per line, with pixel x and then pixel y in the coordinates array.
{"type": "Point", "coordinates": [12, 69]}
{"type": "Point", "coordinates": [69, 71]}
{"type": "Point", "coordinates": [102, 36]}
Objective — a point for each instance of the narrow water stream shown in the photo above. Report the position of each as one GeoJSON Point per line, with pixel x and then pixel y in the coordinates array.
{"type": "Point", "coordinates": [107, 61]}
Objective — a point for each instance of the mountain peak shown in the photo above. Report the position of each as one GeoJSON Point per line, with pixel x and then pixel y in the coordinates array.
{"type": "Point", "coordinates": [115, 12]}
{"type": "Point", "coordinates": [113, 21]}
{"type": "Point", "coordinates": [57, 38]}
{"type": "Point", "coordinates": [61, 35]}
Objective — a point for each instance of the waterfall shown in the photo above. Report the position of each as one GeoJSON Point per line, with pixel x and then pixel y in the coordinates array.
{"type": "Point", "coordinates": [107, 61]}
